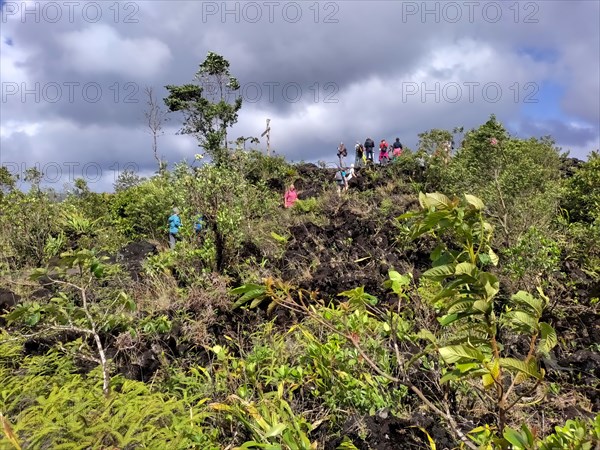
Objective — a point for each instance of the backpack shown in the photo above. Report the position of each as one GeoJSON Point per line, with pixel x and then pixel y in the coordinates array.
{"type": "Point", "coordinates": [339, 176]}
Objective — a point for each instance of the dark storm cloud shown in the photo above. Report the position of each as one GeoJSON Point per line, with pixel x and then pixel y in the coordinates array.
{"type": "Point", "coordinates": [340, 72]}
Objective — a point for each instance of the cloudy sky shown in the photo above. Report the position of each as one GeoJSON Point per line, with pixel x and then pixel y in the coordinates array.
{"type": "Point", "coordinates": [73, 75]}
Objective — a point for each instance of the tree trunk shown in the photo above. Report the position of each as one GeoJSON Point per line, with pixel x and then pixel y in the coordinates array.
{"type": "Point", "coordinates": [219, 248]}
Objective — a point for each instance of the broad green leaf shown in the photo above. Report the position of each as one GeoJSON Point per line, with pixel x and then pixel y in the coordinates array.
{"type": "Point", "coordinates": [529, 369]}
{"type": "Point", "coordinates": [444, 293]}
{"type": "Point", "coordinates": [403, 280]}
{"type": "Point", "coordinates": [33, 319]}
{"type": "Point", "coordinates": [515, 438]}
{"type": "Point", "coordinates": [461, 305]}
{"type": "Point", "coordinates": [455, 353]}
{"type": "Point", "coordinates": [245, 288]}
{"type": "Point", "coordinates": [250, 295]}
{"type": "Point", "coordinates": [529, 435]}
{"type": "Point", "coordinates": [38, 273]}
{"type": "Point", "coordinates": [466, 371]}
{"type": "Point", "coordinates": [437, 252]}
{"type": "Point", "coordinates": [451, 376]}
{"type": "Point", "coordinates": [439, 272]}
{"type": "Point", "coordinates": [487, 380]}
{"type": "Point", "coordinates": [449, 318]}
{"type": "Point", "coordinates": [465, 268]}
{"type": "Point", "coordinates": [522, 320]}
{"type": "Point", "coordinates": [432, 220]}
{"type": "Point", "coordinates": [490, 283]}
{"type": "Point", "coordinates": [443, 259]}
{"type": "Point", "coordinates": [467, 367]}
{"type": "Point", "coordinates": [460, 282]}
{"type": "Point", "coordinates": [493, 373]}
{"type": "Point", "coordinates": [548, 340]}
{"type": "Point", "coordinates": [526, 298]}
{"type": "Point", "coordinates": [437, 200]}
{"type": "Point", "coordinates": [482, 305]}
{"type": "Point", "coordinates": [484, 258]}
{"type": "Point", "coordinates": [494, 368]}
{"type": "Point", "coordinates": [475, 202]}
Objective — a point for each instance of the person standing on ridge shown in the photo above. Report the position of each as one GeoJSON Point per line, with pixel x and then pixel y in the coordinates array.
{"type": "Point", "coordinates": [397, 148]}
{"type": "Point", "coordinates": [342, 153]}
{"type": "Point", "coordinates": [384, 157]}
{"type": "Point", "coordinates": [174, 225]}
{"type": "Point", "coordinates": [369, 148]}
{"type": "Point", "coordinates": [360, 154]}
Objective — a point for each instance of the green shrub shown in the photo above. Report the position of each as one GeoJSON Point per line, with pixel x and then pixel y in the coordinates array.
{"type": "Point", "coordinates": [582, 196]}
{"type": "Point", "coordinates": [533, 258]}
{"type": "Point", "coordinates": [518, 180]}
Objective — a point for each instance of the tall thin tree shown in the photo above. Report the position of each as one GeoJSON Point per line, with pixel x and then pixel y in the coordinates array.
{"type": "Point", "coordinates": [209, 106]}
{"type": "Point", "coordinates": [155, 117]}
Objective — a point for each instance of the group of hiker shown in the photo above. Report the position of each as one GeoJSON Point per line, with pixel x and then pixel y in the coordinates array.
{"type": "Point", "coordinates": [364, 153]}
{"type": "Point", "coordinates": [174, 222]}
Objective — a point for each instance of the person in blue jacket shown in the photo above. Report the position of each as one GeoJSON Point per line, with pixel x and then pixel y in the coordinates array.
{"type": "Point", "coordinates": [174, 225]}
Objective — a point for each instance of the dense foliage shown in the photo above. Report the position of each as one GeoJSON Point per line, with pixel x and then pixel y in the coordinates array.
{"type": "Point", "coordinates": [464, 317]}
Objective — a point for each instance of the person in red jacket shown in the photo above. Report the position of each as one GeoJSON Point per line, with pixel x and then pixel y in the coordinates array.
{"type": "Point", "coordinates": [384, 156]}
{"type": "Point", "coordinates": [290, 196]}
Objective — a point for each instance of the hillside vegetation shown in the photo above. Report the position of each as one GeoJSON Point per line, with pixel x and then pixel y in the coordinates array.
{"type": "Point", "coordinates": [455, 306]}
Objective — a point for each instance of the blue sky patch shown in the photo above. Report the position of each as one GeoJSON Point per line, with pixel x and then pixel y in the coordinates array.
{"type": "Point", "coordinates": [539, 54]}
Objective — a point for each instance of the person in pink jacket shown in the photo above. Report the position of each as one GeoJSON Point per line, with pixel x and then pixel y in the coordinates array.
{"type": "Point", "coordinates": [290, 196]}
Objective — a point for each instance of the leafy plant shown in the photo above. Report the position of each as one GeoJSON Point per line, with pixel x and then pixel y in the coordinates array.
{"type": "Point", "coordinates": [574, 435]}
{"type": "Point", "coordinates": [306, 206]}
{"type": "Point", "coordinates": [533, 258]}
{"type": "Point", "coordinates": [271, 422]}
{"type": "Point", "coordinates": [582, 198]}
{"type": "Point", "coordinates": [519, 180]}
{"type": "Point", "coordinates": [71, 310]}
{"type": "Point", "coordinates": [472, 350]}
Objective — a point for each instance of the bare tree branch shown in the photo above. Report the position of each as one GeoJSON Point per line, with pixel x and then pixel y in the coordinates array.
{"type": "Point", "coordinates": [155, 117]}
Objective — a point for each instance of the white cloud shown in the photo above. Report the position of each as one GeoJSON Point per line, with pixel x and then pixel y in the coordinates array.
{"type": "Point", "coordinates": [99, 49]}
{"type": "Point", "coordinates": [10, 127]}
